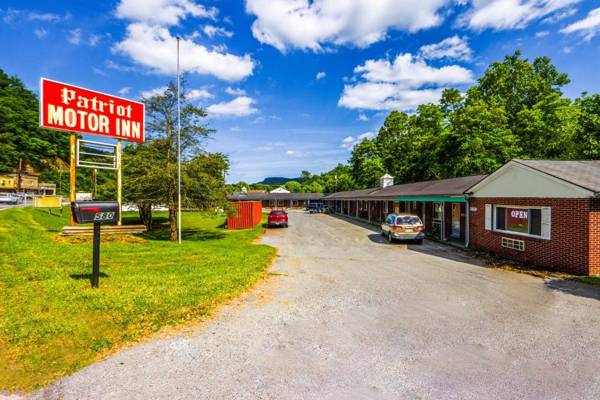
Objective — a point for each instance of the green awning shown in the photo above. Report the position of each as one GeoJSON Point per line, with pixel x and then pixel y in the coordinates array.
{"type": "Point", "coordinates": [436, 199]}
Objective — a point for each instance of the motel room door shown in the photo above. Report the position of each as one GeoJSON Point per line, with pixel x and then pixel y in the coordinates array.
{"type": "Point", "coordinates": [455, 220]}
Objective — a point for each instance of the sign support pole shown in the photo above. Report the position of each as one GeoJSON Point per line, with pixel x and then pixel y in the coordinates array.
{"type": "Point", "coordinates": [119, 179]}
{"type": "Point", "coordinates": [73, 175]}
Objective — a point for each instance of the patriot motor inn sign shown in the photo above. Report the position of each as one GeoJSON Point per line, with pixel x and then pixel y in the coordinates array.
{"type": "Point", "coordinates": [70, 108]}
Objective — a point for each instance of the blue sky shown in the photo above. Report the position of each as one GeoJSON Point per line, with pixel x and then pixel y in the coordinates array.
{"type": "Point", "coordinates": [291, 85]}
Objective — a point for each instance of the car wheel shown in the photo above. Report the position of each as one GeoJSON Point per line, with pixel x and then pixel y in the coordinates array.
{"type": "Point", "coordinates": [419, 241]}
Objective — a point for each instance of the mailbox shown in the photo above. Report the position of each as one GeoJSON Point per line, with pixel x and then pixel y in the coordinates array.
{"type": "Point", "coordinates": [95, 211]}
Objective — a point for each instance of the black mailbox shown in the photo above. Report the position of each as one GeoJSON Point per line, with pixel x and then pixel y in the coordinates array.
{"type": "Point", "coordinates": [95, 211]}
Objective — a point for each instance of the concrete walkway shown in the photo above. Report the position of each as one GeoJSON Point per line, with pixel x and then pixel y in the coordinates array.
{"type": "Point", "coordinates": [352, 317]}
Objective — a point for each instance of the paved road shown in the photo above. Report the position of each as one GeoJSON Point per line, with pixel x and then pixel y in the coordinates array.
{"type": "Point", "coordinates": [352, 317]}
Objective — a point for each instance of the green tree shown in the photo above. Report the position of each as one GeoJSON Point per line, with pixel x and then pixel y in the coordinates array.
{"type": "Point", "coordinates": [293, 186]}
{"type": "Point", "coordinates": [479, 140]}
{"type": "Point", "coordinates": [20, 135]}
{"type": "Point", "coordinates": [588, 137]}
{"type": "Point", "coordinates": [367, 166]}
{"type": "Point", "coordinates": [151, 169]}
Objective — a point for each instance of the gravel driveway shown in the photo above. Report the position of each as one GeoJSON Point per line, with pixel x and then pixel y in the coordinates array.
{"type": "Point", "coordinates": [349, 316]}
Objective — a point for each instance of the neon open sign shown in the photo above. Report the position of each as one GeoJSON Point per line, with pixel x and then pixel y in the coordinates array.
{"type": "Point", "coordinates": [71, 108]}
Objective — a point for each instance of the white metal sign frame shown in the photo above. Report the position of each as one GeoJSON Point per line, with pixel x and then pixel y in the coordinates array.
{"type": "Point", "coordinates": [112, 161]}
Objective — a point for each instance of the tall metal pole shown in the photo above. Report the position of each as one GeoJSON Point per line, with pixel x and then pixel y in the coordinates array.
{"type": "Point", "coordinates": [178, 151]}
{"type": "Point", "coordinates": [120, 179]}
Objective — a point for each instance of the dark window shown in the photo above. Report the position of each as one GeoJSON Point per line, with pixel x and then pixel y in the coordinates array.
{"type": "Point", "coordinates": [278, 212]}
{"type": "Point", "coordinates": [501, 218]}
{"type": "Point", "coordinates": [535, 221]}
{"type": "Point", "coordinates": [408, 220]}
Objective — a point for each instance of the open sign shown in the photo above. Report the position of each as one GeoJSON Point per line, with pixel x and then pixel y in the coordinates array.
{"type": "Point", "coordinates": [518, 214]}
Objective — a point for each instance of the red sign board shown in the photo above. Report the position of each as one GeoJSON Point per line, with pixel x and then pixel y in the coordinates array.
{"type": "Point", "coordinates": [74, 109]}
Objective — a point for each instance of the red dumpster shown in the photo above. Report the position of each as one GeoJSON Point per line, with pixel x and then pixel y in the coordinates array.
{"type": "Point", "coordinates": [247, 215]}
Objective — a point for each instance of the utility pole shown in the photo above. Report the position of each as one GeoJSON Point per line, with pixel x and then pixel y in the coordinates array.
{"type": "Point", "coordinates": [178, 150]}
{"type": "Point", "coordinates": [19, 175]}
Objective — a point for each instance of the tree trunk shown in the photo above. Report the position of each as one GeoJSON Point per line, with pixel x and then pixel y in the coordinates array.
{"type": "Point", "coordinates": [145, 210]}
{"type": "Point", "coordinates": [173, 223]}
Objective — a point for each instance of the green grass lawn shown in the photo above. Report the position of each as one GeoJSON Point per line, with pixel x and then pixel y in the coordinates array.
{"type": "Point", "coordinates": [52, 323]}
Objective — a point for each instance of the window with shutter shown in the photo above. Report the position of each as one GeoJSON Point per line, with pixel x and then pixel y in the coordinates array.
{"type": "Point", "coordinates": [488, 217]}
{"type": "Point", "coordinates": [546, 222]}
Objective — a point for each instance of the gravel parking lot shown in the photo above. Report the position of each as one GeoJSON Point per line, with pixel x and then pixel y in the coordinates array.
{"type": "Point", "coordinates": [348, 316]}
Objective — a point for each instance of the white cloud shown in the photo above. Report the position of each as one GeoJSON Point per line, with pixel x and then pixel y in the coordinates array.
{"type": "Point", "coordinates": [198, 94]}
{"type": "Point", "coordinates": [235, 91]}
{"type": "Point", "coordinates": [559, 16]}
{"type": "Point", "coordinates": [159, 91]}
{"type": "Point", "coordinates": [239, 107]}
{"type": "Point", "coordinates": [94, 39]}
{"type": "Point", "coordinates": [212, 31]}
{"type": "Point", "coordinates": [541, 34]}
{"type": "Point", "coordinates": [74, 36]}
{"type": "Point", "coordinates": [455, 47]}
{"type": "Point", "coordinates": [155, 47]}
{"type": "Point", "coordinates": [588, 27]}
{"type": "Point", "coordinates": [350, 141]}
{"type": "Point", "coordinates": [321, 75]}
{"type": "Point", "coordinates": [40, 32]}
{"type": "Point", "coordinates": [362, 117]}
{"type": "Point", "coordinates": [412, 71]}
{"type": "Point", "coordinates": [313, 25]}
{"type": "Point", "coordinates": [291, 152]}
{"type": "Point", "coordinates": [510, 14]}
{"type": "Point", "coordinates": [402, 84]}
{"type": "Point", "coordinates": [124, 90]}
{"type": "Point", "coordinates": [162, 12]}
{"type": "Point", "coordinates": [118, 67]}
{"type": "Point", "coordinates": [11, 15]}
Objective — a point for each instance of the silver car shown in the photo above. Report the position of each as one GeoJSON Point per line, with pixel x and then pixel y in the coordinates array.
{"type": "Point", "coordinates": [403, 227]}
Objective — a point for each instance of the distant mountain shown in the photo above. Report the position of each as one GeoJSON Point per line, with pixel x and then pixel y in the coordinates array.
{"type": "Point", "coordinates": [277, 180]}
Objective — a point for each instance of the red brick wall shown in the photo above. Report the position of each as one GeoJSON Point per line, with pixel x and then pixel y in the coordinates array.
{"type": "Point", "coordinates": [594, 241]}
{"type": "Point", "coordinates": [569, 249]}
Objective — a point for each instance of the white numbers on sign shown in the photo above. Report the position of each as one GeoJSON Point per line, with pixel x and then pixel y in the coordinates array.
{"type": "Point", "coordinates": [518, 214]}
{"type": "Point", "coordinates": [104, 216]}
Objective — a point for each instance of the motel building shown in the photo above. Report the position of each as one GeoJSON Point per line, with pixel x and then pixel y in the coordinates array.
{"type": "Point", "coordinates": [278, 199]}
{"type": "Point", "coordinates": [545, 213]}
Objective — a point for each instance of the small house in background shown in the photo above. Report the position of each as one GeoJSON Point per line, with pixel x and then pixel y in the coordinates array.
{"type": "Point", "coordinates": [280, 189]}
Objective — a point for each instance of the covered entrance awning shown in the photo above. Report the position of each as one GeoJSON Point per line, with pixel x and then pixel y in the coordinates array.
{"type": "Point", "coordinates": [435, 199]}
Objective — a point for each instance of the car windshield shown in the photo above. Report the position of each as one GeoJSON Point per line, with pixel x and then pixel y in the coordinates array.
{"type": "Point", "coordinates": [408, 220]}
{"type": "Point", "coordinates": [277, 212]}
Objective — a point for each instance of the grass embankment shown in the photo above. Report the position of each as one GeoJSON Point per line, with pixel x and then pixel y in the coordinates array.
{"type": "Point", "coordinates": [52, 323]}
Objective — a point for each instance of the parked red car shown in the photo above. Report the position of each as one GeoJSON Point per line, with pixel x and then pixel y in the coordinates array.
{"type": "Point", "coordinates": [277, 218]}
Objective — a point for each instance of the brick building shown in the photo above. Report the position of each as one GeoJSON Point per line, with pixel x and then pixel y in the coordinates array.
{"type": "Point", "coordinates": [542, 212]}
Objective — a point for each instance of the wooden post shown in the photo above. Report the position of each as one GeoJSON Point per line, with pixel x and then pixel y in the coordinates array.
{"type": "Point", "coordinates": [94, 178]}
{"type": "Point", "coordinates": [119, 180]}
{"type": "Point", "coordinates": [73, 175]}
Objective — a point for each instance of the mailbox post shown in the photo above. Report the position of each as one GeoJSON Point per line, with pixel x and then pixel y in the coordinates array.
{"type": "Point", "coordinates": [98, 213]}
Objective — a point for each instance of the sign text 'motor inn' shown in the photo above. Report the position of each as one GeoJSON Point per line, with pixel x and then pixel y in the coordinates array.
{"type": "Point", "coordinates": [75, 109]}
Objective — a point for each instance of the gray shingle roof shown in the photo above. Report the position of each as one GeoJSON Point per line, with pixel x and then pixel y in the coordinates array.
{"type": "Point", "coordinates": [443, 187]}
{"type": "Point", "coordinates": [351, 194]}
{"type": "Point", "coordinates": [585, 174]}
